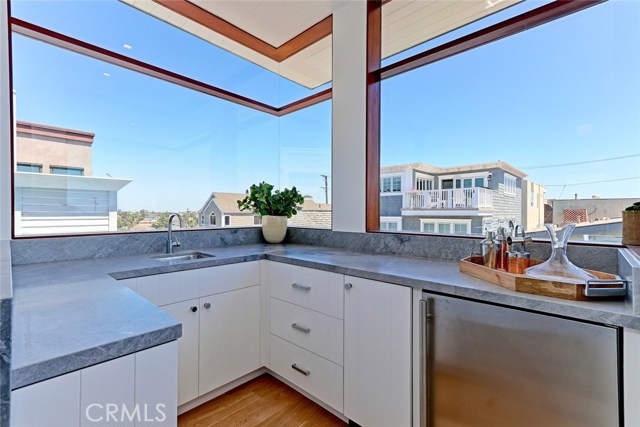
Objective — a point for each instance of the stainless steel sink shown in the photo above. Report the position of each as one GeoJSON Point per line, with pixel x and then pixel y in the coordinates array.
{"type": "Point", "coordinates": [184, 256]}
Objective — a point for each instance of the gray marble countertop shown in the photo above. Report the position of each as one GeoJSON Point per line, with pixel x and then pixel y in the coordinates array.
{"type": "Point", "coordinates": [72, 314]}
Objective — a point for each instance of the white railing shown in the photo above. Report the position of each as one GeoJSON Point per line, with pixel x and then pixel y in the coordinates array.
{"type": "Point", "coordinates": [462, 198]}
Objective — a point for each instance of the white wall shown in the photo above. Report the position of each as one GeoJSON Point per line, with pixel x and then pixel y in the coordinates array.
{"type": "Point", "coordinates": [349, 119]}
{"type": "Point", "coordinates": [5, 128]}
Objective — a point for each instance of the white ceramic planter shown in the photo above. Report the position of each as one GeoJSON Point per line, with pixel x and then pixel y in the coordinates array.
{"type": "Point", "coordinates": [274, 228]}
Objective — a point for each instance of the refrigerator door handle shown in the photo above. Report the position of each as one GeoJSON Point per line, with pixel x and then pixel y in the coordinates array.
{"type": "Point", "coordinates": [426, 338]}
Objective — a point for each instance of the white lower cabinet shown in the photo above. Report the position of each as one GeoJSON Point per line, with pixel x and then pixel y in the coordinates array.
{"type": "Point", "coordinates": [50, 403]}
{"type": "Point", "coordinates": [314, 374]}
{"type": "Point", "coordinates": [229, 337]}
{"type": "Point", "coordinates": [135, 390]}
{"type": "Point", "coordinates": [377, 353]}
{"type": "Point", "coordinates": [112, 382]}
{"type": "Point", "coordinates": [187, 312]}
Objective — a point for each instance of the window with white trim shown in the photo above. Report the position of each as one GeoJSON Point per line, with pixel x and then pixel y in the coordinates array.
{"type": "Point", "coordinates": [424, 184]}
{"type": "Point", "coordinates": [392, 184]}
{"type": "Point", "coordinates": [212, 219]}
{"type": "Point", "coordinates": [445, 226]}
{"type": "Point", "coordinates": [390, 223]}
{"type": "Point", "coordinates": [509, 184]}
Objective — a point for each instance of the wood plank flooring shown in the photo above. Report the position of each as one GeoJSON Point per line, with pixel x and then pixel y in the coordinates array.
{"type": "Point", "coordinates": [262, 402]}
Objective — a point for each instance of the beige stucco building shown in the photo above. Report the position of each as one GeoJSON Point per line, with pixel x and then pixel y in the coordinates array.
{"type": "Point", "coordinates": [533, 201]}
{"type": "Point", "coordinates": [49, 149]}
{"type": "Point", "coordinates": [54, 190]}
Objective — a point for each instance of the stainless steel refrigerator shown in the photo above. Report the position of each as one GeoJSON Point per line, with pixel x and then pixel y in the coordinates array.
{"type": "Point", "coordinates": [486, 365]}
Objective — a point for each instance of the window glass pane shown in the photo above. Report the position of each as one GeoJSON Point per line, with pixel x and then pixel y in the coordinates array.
{"type": "Point", "coordinates": [386, 185]}
{"type": "Point", "coordinates": [428, 227]}
{"type": "Point", "coordinates": [25, 167]}
{"type": "Point", "coordinates": [578, 153]}
{"type": "Point", "coordinates": [58, 170]}
{"type": "Point", "coordinates": [121, 28]}
{"type": "Point", "coordinates": [444, 228]}
{"type": "Point", "coordinates": [479, 182]}
{"type": "Point", "coordinates": [461, 228]}
{"type": "Point", "coordinates": [397, 183]}
{"type": "Point", "coordinates": [393, 226]}
{"type": "Point", "coordinates": [467, 183]}
{"type": "Point", "coordinates": [158, 147]}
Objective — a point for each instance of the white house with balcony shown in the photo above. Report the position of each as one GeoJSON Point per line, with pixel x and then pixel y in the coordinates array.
{"type": "Point", "coordinates": [453, 200]}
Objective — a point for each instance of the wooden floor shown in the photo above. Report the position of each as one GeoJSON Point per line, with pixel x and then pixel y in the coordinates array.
{"type": "Point", "coordinates": [262, 402]}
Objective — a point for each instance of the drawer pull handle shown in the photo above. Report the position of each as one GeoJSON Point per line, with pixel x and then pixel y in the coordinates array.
{"type": "Point", "coordinates": [300, 328]}
{"type": "Point", "coordinates": [302, 371]}
{"type": "Point", "coordinates": [301, 287]}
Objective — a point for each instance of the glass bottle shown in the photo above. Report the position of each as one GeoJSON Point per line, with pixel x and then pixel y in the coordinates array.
{"type": "Point", "coordinates": [558, 265]}
{"type": "Point", "coordinates": [489, 250]}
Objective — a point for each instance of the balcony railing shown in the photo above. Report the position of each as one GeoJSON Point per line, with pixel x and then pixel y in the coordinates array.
{"type": "Point", "coordinates": [462, 198]}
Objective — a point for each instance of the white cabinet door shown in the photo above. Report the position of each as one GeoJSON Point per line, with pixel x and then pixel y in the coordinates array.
{"type": "Point", "coordinates": [377, 358]}
{"type": "Point", "coordinates": [108, 393]}
{"type": "Point", "coordinates": [50, 403]}
{"type": "Point", "coordinates": [188, 313]}
{"type": "Point", "coordinates": [229, 337]}
{"type": "Point", "coordinates": [156, 386]}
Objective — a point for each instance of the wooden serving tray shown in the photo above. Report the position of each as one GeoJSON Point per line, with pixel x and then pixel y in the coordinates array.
{"type": "Point", "coordinates": [529, 285]}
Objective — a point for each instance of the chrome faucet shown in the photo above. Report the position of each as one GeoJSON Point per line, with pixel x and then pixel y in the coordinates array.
{"type": "Point", "coordinates": [172, 241]}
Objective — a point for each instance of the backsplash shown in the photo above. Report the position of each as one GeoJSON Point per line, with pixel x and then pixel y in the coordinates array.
{"type": "Point", "coordinates": [48, 249]}
{"type": "Point", "coordinates": [29, 251]}
{"type": "Point", "coordinates": [592, 257]}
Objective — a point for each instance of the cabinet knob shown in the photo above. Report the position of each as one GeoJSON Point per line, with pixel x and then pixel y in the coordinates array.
{"type": "Point", "coordinates": [193, 309]}
{"type": "Point", "coordinates": [207, 305]}
{"type": "Point", "coordinates": [348, 286]}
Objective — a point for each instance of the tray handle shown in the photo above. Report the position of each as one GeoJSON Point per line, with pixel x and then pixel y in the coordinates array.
{"type": "Point", "coordinates": [605, 292]}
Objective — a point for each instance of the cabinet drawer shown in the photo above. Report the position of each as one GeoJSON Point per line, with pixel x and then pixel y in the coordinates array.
{"type": "Point", "coordinates": [316, 375]}
{"type": "Point", "coordinates": [224, 278]}
{"type": "Point", "coordinates": [316, 332]}
{"type": "Point", "coordinates": [315, 289]}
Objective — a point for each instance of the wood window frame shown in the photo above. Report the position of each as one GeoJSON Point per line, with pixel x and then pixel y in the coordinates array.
{"type": "Point", "coordinates": [376, 73]}
{"type": "Point", "coordinates": [45, 35]}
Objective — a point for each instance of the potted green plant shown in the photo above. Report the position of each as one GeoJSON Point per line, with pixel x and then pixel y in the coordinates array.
{"type": "Point", "coordinates": [631, 225]}
{"type": "Point", "coordinates": [274, 207]}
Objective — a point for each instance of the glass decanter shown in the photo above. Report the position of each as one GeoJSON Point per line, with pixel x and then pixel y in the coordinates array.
{"type": "Point", "coordinates": [558, 265]}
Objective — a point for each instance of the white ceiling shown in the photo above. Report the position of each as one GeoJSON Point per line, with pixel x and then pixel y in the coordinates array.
{"type": "Point", "coordinates": [405, 23]}
{"type": "Point", "coordinates": [274, 22]}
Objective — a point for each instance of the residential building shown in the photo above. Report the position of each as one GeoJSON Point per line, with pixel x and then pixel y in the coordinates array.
{"type": "Point", "coordinates": [54, 190]}
{"type": "Point", "coordinates": [533, 201]}
{"type": "Point", "coordinates": [221, 210]}
{"type": "Point", "coordinates": [312, 214]}
{"type": "Point", "coordinates": [465, 199]}
{"type": "Point", "coordinates": [596, 208]}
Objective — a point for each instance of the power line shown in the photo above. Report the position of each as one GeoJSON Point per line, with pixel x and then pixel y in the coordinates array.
{"type": "Point", "coordinates": [581, 163]}
{"type": "Point", "coordinates": [592, 182]}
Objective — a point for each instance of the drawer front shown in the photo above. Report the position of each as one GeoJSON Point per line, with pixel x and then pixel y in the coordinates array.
{"type": "Point", "coordinates": [315, 289]}
{"type": "Point", "coordinates": [224, 278]}
{"type": "Point", "coordinates": [314, 374]}
{"type": "Point", "coordinates": [316, 332]}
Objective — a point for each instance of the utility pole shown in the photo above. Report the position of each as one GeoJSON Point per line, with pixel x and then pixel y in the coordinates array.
{"type": "Point", "coordinates": [326, 189]}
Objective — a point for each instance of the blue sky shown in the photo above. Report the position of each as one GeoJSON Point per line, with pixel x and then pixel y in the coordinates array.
{"type": "Point", "coordinates": [565, 92]}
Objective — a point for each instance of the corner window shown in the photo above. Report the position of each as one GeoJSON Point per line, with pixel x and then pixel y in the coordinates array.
{"type": "Point", "coordinates": [29, 167]}
{"type": "Point", "coordinates": [63, 170]}
{"type": "Point", "coordinates": [573, 153]}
